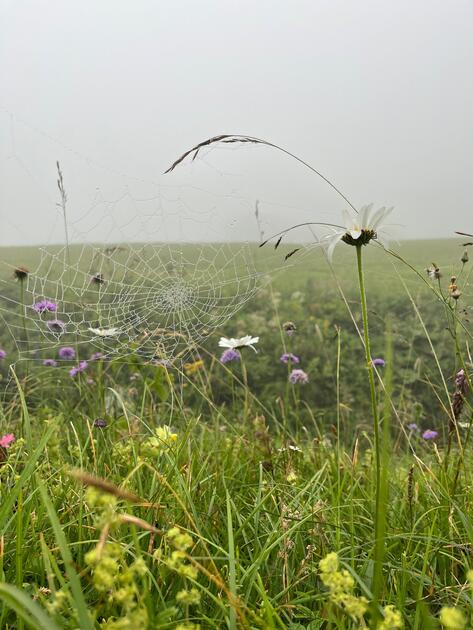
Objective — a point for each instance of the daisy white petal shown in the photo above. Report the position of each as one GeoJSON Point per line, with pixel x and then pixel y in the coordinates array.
{"type": "Point", "coordinates": [364, 218]}
{"type": "Point", "coordinates": [242, 342]}
{"type": "Point", "coordinates": [332, 243]}
{"type": "Point", "coordinates": [379, 216]}
{"type": "Point", "coordinates": [105, 332]}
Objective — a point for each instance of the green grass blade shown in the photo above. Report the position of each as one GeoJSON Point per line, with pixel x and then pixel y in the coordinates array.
{"type": "Point", "coordinates": [76, 588]}
{"type": "Point", "coordinates": [12, 497]}
{"type": "Point", "coordinates": [231, 563]}
{"type": "Point", "coordinates": [26, 609]}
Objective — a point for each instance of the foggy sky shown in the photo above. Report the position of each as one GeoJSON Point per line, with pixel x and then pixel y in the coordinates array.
{"type": "Point", "coordinates": [376, 94]}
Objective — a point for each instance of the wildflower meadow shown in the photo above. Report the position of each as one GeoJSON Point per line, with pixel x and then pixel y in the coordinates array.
{"type": "Point", "coordinates": [307, 465]}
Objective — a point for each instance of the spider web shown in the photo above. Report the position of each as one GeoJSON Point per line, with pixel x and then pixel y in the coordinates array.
{"type": "Point", "coordinates": [154, 300]}
{"type": "Point", "coordinates": [133, 266]}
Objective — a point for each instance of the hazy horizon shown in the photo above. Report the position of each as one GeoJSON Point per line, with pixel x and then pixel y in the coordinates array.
{"type": "Point", "coordinates": [372, 94]}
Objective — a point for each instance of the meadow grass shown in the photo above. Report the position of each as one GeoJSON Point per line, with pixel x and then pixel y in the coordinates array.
{"type": "Point", "coordinates": [224, 496]}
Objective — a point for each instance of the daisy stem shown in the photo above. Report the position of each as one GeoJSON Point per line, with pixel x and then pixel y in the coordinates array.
{"type": "Point", "coordinates": [245, 386]}
{"type": "Point", "coordinates": [378, 533]}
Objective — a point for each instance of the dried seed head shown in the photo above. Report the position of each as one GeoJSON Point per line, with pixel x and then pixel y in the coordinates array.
{"type": "Point", "coordinates": [97, 278]}
{"type": "Point", "coordinates": [21, 273]}
{"type": "Point", "coordinates": [433, 272]}
{"type": "Point", "coordinates": [289, 328]}
{"type": "Point", "coordinates": [464, 258]}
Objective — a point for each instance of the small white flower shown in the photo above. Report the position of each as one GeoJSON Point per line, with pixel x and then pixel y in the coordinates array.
{"type": "Point", "coordinates": [105, 332]}
{"type": "Point", "coordinates": [360, 228]}
{"type": "Point", "coordinates": [291, 447]}
{"type": "Point", "coordinates": [241, 342]}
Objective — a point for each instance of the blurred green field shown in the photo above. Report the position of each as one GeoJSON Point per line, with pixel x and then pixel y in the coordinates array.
{"type": "Point", "coordinates": [321, 301]}
{"type": "Point", "coordinates": [310, 263]}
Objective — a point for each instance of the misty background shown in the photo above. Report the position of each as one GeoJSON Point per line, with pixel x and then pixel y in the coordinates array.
{"type": "Point", "coordinates": [376, 95]}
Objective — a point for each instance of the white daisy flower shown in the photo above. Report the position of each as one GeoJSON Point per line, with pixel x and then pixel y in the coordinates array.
{"type": "Point", "coordinates": [105, 332]}
{"type": "Point", "coordinates": [359, 229]}
{"type": "Point", "coordinates": [241, 342]}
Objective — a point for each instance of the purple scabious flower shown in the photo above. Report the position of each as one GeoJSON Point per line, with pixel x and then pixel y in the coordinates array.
{"type": "Point", "coordinates": [78, 368]}
{"type": "Point", "coordinates": [66, 352]}
{"type": "Point", "coordinates": [100, 423]}
{"type": "Point", "coordinates": [429, 434]}
{"type": "Point", "coordinates": [412, 426]}
{"type": "Point", "coordinates": [96, 356]}
{"type": "Point", "coordinates": [378, 362]}
{"type": "Point", "coordinates": [50, 363]}
{"type": "Point", "coordinates": [230, 355]}
{"type": "Point", "coordinates": [298, 376]}
{"type": "Point", "coordinates": [289, 357]}
{"type": "Point", "coordinates": [45, 306]}
{"type": "Point", "coordinates": [56, 326]}
{"type": "Point", "coordinates": [3, 354]}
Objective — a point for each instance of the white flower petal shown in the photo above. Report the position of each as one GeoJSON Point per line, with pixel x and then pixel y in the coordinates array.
{"type": "Point", "coordinates": [349, 218]}
{"type": "Point", "coordinates": [380, 215]}
{"type": "Point", "coordinates": [242, 342]}
{"type": "Point", "coordinates": [332, 243]}
{"type": "Point", "coordinates": [364, 216]}
{"type": "Point", "coordinates": [104, 332]}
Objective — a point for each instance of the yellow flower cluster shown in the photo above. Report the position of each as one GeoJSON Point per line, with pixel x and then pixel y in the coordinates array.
{"type": "Point", "coordinates": [392, 619]}
{"type": "Point", "coordinates": [103, 504]}
{"type": "Point", "coordinates": [162, 440]}
{"type": "Point", "coordinates": [189, 598]}
{"type": "Point", "coordinates": [181, 541]}
{"type": "Point", "coordinates": [192, 368]}
{"type": "Point", "coordinates": [452, 618]}
{"type": "Point", "coordinates": [341, 585]}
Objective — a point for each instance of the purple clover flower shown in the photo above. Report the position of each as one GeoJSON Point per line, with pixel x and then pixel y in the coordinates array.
{"type": "Point", "coordinates": [230, 355]}
{"type": "Point", "coordinates": [45, 306]}
{"type": "Point", "coordinates": [378, 362]}
{"type": "Point", "coordinates": [50, 363]}
{"type": "Point", "coordinates": [298, 376]}
{"type": "Point", "coordinates": [289, 357]}
{"type": "Point", "coordinates": [66, 352]}
{"type": "Point", "coordinates": [96, 356]}
{"type": "Point", "coordinates": [3, 354]}
{"type": "Point", "coordinates": [412, 426]}
{"type": "Point", "coordinates": [78, 368]}
{"type": "Point", "coordinates": [56, 326]}
{"type": "Point", "coordinates": [429, 434]}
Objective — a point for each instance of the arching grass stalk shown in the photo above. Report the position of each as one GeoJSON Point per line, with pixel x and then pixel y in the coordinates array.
{"type": "Point", "coordinates": [378, 533]}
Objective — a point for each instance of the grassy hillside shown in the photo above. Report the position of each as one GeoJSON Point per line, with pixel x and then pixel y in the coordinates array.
{"type": "Point", "coordinates": [280, 489]}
